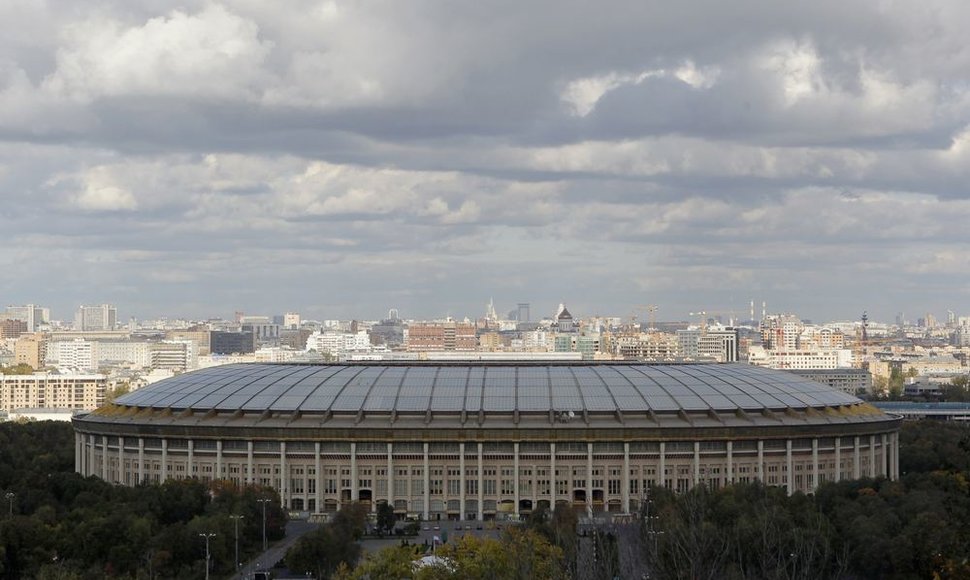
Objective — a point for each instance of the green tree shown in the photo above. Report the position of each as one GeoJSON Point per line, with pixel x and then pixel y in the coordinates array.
{"type": "Point", "coordinates": [322, 551]}
{"type": "Point", "coordinates": [385, 517]}
{"type": "Point", "coordinates": [17, 369]}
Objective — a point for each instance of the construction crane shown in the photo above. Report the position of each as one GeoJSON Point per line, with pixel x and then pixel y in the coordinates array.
{"type": "Point", "coordinates": [651, 310]}
{"type": "Point", "coordinates": [703, 318]}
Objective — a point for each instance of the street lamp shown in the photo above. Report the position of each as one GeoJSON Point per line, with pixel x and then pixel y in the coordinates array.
{"type": "Point", "coordinates": [264, 502]}
{"type": "Point", "coordinates": [236, 527]}
{"type": "Point", "coordinates": [10, 496]}
{"type": "Point", "coordinates": [207, 537]}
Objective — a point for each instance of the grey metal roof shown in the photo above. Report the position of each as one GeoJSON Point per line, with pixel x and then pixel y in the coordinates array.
{"type": "Point", "coordinates": [490, 387]}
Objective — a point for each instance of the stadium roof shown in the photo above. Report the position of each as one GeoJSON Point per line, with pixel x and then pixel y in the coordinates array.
{"type": "Point", "coordinates": [490, 388]}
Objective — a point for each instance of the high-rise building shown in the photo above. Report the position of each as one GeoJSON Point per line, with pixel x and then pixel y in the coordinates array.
{"type": "Point", "coordinates": [12, 328]}
{"type": "Point", "coordinates": [31, 350]}
{"type": "Point", "coordinates": [720, 344]}
{"type": "Point", "coordinates": [100, 317]}
{"type": "Point", "coordinates": [232, 342]}
{"type": "Point", "coordinates": [523, 312]}
{"type": "Point", "coordinates": [33, 315]}
{"type": "Point", "coordinates": [781, 331]}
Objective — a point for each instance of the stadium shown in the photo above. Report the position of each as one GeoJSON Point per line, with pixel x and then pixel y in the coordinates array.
{"type": "Point", "coordinates": [486, 440]}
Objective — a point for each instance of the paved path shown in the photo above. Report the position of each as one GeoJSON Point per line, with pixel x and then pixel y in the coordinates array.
{"type": "Point", "coordinates": [275, 552]}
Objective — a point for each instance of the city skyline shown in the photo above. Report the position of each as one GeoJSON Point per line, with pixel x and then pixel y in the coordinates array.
{"type": "Point", "coordinates": [223, 156]}
{"type": "Point", "coordinates": [753, 312]}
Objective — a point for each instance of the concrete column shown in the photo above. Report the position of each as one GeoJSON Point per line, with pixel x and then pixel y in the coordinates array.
{"type": "Point", "coordinates": [250, 476]}
{"type": "Point", "coordinates": [872, 456]}
{"type": "Point", "coordinates": [390, 476]}
{"type": "Point", "coordinates": [761, 460]}
{"type": "Point", "coordinates": [285, 477]}
{"type": "Point", "coordinates": [625, 490]}
{"type": "Point", "coordinates": [552, 476]}
{"type": "Point", "coordinates": [164, 460]}
{"type": "Point", "coordinates": [427, 482]}
{"type": "Point", "coordinates": [535, 486]}
{"type": "Point", "coordinates": [856, 465]}
{"type": "Point", "coordinates": [884, 462]}
{"type": "Point", "coordinates": [790, 480]}
{"type": "Point", "coordinates": [218, 473]}
{"type": "Point", "coordinates": [190, 464]}
{"type": "Point", "coordinates": [92, 447]}
{"type": "Point", "coordinates": [814, 463]}
{"type": "Point", "coordinates": [121, 460]}
{"type": "Point", "coordinates": [838, 459]}
{"type": "Point", "coordinates": [318, 477]}
{"type": "Point", "coordinates": [104, 458]}
{"type": "Point", "coordinates": [141, 459]}
{"type": "Point", "coordinates": [461, 481]}
{"type": "Point", "coordinates": [663, 464]}
{"type": "Point", "coordinates": [481, 487]}
{"type": "Point", "coordinates": [78, 468]}
{"type": "Point", "coordinates": [515, 478]}
{"type": "Point", "coordinates": [730, 463]}
{"type": "Point", "coordinates": [697, 462]}
{"type": "Point", "coordinates": [589, 479]}
{"type": "Point", "coordinates": [896, 455]}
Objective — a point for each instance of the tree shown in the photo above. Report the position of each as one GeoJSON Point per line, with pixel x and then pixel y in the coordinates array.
{"type": "Point", "coordinates": [385, 518]}
{"type": "Point", "coordinates": [958, 390]}
{"type": "Point", "coordinates": [322, 551]}
{"type": "Point", "coordinates": [122, 389]}
{"type": "Point", "coordinates": [17, 369]}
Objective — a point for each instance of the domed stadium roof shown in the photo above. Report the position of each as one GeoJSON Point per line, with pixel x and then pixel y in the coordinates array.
{"type": "Point", "coordinates": [489, 388]}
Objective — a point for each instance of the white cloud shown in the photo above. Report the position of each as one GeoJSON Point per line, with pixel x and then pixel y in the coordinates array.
{"type": "Point", "coordinates": [582, 95]}
{"type": "Point", "coordinates": [211, 53]}
{"type": "Point", "coordinates": [97, 197]}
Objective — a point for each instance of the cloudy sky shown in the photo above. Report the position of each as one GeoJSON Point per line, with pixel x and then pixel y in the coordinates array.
{"type": "Point", "coordinates": [342, 158]}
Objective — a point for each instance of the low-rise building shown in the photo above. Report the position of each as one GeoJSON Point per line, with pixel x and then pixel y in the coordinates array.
{"type": "Point", "coordinates": [850, 381]}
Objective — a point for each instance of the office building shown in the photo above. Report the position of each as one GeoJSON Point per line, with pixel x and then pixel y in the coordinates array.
{"type": "Point", "coordinates": [94, 318]}
{"type": "Point", "coordinates": [34, 316]}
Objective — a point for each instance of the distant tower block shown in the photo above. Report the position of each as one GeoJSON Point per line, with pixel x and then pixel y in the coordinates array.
{"type": "Point", "coordinates": [523, 312]}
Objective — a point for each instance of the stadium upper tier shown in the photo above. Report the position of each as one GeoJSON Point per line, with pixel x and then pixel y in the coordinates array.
{"type": "Point", "coordinates": [485, 388]}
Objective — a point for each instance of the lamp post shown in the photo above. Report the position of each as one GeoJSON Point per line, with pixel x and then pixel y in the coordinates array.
{"type": "Point", "coordinates": [10, 496]}
{"type": "Point", "coordinates": [207, 537]}
{"type": "Point", "coordinates": [235, 522]}
{"type": "Point", "coordinates": [264, 502]}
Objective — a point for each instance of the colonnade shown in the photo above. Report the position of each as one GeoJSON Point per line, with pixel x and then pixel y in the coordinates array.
{"type": "Point", "coordinates": [586, 474]}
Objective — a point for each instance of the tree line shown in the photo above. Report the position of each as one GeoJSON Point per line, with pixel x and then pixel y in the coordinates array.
{"type": "Point", "coordinates": [59, 525]}
{"type": "Point", "coordinates": [65, 526]}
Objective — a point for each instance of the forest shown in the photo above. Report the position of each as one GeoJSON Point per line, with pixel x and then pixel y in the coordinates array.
{"type": "Point", "coordinates": [58, 525]}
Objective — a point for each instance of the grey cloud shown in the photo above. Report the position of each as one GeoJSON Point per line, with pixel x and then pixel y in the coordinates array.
{"type": "Point", "coordinates": [165, 158]}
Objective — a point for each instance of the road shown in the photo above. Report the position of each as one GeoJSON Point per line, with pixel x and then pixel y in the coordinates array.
{"type": "Point", "coordinates": [275, 552]}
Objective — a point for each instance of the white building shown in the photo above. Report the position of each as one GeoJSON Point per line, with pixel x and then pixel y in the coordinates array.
{"type": "Point", "coordinates": [291, 320]}
{"type": "Point", "coordinates": [800, 359]}
{"type": "Point", "coordinates": [339, 343]}
{"type": "Point", "coordinates": [275, 354]}
{"type": "Point", "coordinates": [124, 352]}
{"type": "Point", "coordinates": [77, 354]}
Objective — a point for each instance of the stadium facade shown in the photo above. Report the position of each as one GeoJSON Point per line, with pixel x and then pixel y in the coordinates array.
{"type": "Point", "coordinates": [483, 440]}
